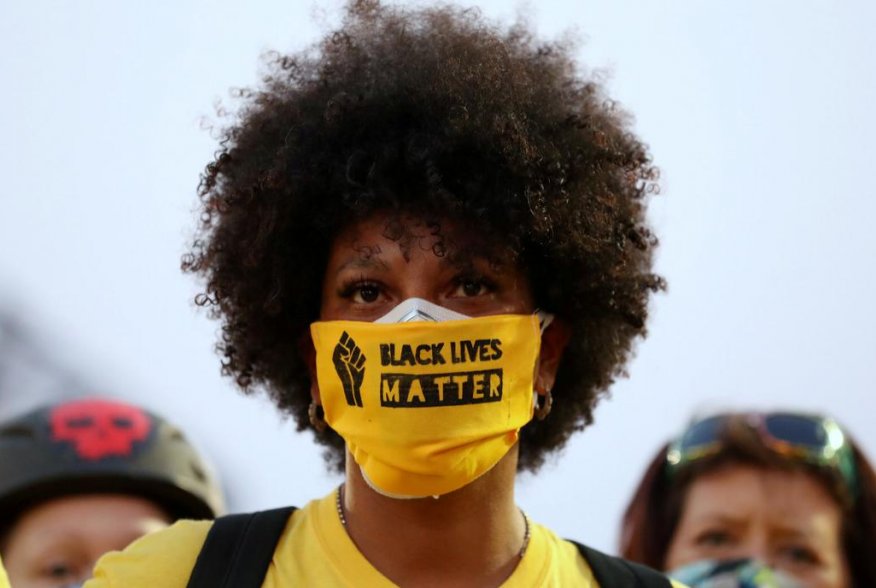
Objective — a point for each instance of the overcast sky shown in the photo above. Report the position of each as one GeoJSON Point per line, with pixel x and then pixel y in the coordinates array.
{"type": "Point", "coordinates": [760, 115]}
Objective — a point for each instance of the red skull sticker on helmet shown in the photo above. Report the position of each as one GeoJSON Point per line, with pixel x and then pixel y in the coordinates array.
{"type": "Point", "coordinates": [100, 428]}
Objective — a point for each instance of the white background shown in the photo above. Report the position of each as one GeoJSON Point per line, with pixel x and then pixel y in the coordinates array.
{"type": "Point", "coordinates": [760, 114]}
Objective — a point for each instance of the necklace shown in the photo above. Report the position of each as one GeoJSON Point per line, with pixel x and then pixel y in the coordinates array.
{"type": "Point", "coordinates": [339, 504]}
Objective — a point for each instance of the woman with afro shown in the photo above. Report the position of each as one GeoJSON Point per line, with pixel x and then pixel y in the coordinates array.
{"type": "Point", "coordinates": [425, 238]}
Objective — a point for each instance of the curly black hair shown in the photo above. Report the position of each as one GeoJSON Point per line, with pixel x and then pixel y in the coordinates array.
{"type": "Point", "coordinates": [435, 111]}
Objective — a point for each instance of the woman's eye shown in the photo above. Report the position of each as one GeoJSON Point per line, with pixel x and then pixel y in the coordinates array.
{"type": "Point", "coordinates": [714, 538]}
{"type": "Point", "coordinates": [361, 292]}
{"type": "Point", "coordinates": [367, 293]}
{"type": "Point", "coordinates": [799, 554]}
{"type": "Point", "coordinates": [58, 571]}
{"type": "Point", "coordinates": [468, 287]}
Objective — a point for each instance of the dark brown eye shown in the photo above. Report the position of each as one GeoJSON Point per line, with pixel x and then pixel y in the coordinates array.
{"type": "Point", "coordinates": [471, 286]}
{"type": "Point", "coordinates": [58, 571]}
{"type": "Point", "coordinates": [714, 538]}
{"type": "Point", "coordinates": [361, 291]}
{"type": "Point", "coordinates": [368, 293]}
{"type": "Point", "coordinates": [800, 554]}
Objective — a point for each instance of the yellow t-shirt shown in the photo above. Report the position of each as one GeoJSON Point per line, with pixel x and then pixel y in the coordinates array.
{"type": "Point", "coordinates": [316, 551]}
{"type": "Point", "coordinates": [4, 581]}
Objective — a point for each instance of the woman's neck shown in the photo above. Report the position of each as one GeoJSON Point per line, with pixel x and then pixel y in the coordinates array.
{"type": "Point", "coordinates": [470, 537]}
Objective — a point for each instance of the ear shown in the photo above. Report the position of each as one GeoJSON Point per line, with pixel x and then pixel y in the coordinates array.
{"type": "Point", "coordinates": [553, 344]}
{"type": "Point", "coordinates": [307, 351]}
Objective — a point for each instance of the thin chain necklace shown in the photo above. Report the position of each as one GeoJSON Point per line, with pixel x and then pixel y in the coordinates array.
{"type": "Point", "coordinates": [339, 504]}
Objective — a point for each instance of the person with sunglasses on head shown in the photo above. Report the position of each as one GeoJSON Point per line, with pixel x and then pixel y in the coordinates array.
{"type": "Point", "coordinates": [757, 499]}
{"type": "Point", "coordinates": [83, 477]}
{"type": "Point", "coordinates": [426, 238]}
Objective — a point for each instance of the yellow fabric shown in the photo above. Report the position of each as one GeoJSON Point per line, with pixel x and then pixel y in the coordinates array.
{"type": "Point", "coordinates": [4, 581]}
{"type": "Point", "coordinates": [315, 550]}
{"type": "Point", "coordinates": [427, 407]}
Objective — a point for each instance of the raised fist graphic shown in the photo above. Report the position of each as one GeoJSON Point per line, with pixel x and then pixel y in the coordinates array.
{"type": "Point", "coordinates": [350, 365]}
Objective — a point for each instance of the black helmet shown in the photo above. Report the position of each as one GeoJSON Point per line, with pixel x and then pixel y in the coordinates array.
{"type": "Point", "coordinates": [98, 445]}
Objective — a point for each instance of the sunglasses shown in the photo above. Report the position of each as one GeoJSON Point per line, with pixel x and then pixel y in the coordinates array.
{"type": "Point", "coordinates": [811, 439]}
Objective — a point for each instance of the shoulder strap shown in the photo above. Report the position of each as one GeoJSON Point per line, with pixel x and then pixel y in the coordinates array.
{"type": "Point", "coordinates": [238, 549]}
{"type": "Point", "coordinates": [614, 572]}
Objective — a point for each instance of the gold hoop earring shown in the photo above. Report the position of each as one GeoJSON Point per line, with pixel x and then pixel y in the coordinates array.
{"type": "Point", "coordinates": [317, 420]}
{"type": "Point", "coordinates": [543, 408]}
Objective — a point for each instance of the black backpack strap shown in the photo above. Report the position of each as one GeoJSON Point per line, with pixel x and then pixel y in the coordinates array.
{"type": "Point", "coordinates": [238, 549]}
{"type": "Point", "coordinates": [614, 572]}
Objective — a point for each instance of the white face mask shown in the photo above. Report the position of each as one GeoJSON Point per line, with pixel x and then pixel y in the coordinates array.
{"type": "Point", "coordinates": [418, 309]}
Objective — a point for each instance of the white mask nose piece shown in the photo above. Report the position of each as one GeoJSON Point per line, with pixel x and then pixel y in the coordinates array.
{"type": "Point", "coordinates": [418, 309]}
{"type": "Point", "coordinates": [413, 310]}
{"type": "Point", "coordinates": [417, 315]}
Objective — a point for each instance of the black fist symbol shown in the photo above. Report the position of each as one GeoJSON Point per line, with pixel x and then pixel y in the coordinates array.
{"type": "Point", "coordinates": [350, 365]}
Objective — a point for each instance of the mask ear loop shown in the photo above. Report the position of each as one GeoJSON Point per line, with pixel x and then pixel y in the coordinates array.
{"type": "Point", "coordinates": [544, 319]}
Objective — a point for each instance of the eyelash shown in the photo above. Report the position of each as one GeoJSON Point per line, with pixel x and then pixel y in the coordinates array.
{"type": "Point", "coordinates": [796, 554]}
{"type": "Point", "coordinates": [713, 538]}
{"type": "Point", "coordinates": [801, 554]}
{"type": "Point", "coordinates": [58, 570]}
{"type": "Point", "coordinates": [487, 284]}
{"type": "Point", "coordinates": [354, 286]}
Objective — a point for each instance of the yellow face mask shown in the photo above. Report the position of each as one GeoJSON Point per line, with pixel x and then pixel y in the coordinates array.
{"type": "Point", "coordinates": [427, 407]}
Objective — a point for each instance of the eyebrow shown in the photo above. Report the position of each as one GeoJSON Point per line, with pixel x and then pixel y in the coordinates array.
{"type": "Point", "coordinates": [720, 517]}
{"type": "Point", "coordinates": [359, 262]}
{"type": "Point", "coordinates": [809, 533]}
{"type": "Point", "coordinates": [369, 257]}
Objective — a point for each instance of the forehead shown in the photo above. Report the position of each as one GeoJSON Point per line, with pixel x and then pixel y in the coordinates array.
{"type": "Point", "coordinates": [112, 519]}
{"type": "Point", "coordinates": [767, 493]}
{"type": "Point", "coordinates": [455, 242]}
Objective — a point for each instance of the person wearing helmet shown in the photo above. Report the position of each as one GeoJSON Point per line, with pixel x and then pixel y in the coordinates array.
{"type": "Point", "coordinates": [84, 477]}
